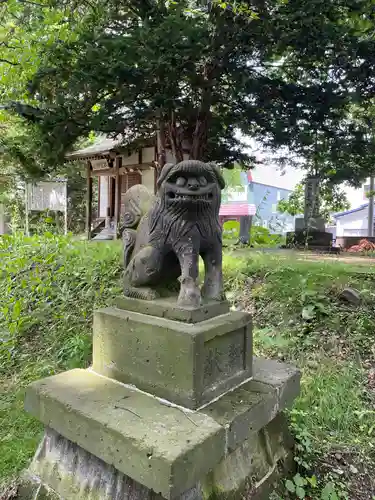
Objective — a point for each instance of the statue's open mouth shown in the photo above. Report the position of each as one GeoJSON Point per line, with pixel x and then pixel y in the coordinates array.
{"type": "Point", "coordinates": [190, 188]}
{"type": "Point", "coordinates": [190, 197]}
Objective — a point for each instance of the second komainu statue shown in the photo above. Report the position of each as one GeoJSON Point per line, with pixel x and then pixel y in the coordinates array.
{"type": "Point", "coordinates": [164, 235]}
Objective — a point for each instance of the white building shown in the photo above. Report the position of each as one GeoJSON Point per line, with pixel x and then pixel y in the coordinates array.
{"type": "Point", "coordinates": [352, 222]}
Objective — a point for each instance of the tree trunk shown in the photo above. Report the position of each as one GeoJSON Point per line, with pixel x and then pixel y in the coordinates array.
{"type": "Point", "coordinates": [160, 136]}
{"type": "Point", "coordinates": [201, 126]}
{"type": "Point", "coordinates": [175, 139]}
{"type": "Point", "coordinates": [245, 227]}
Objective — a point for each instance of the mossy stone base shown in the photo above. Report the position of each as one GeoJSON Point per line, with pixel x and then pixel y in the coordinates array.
{"type": "Point", "coordinates": [105, 440]}
{"type": "Point", "coordinates": [168, 308]}
{"type": "Point", "coordinates": [165, 448]}
{"type": "Point", "coordinates": [72, 473]}
{"type": "Point", "coordinates": [250, 471]}
{"type": "Point", "coordinates": [189, 364]}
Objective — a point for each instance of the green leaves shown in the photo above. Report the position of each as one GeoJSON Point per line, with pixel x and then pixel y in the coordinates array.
{"type": "Point", "coordinates": [309, 312]}
{"type": "Point", "coordinates": [290, 486]}
{"type": "Point", "coordinates": [49, 286]}
{"type": "Point", "coordinates": [329, 492]}
{"type": "Point", "coordinates": [299, 484]}
{"type": "Point", "coordinates": [332, 199]}
{"type": "Point", "coordinates": [206, 70]}
{"type": "Point", "coordinates": [302, 487]}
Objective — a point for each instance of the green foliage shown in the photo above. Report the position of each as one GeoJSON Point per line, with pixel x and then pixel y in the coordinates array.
{"type": "Point", "coordinates": [25, 26]}
{"type": "Point", "coordinates": [260, 236]}
{"type": "Point", "coordinates": [298, 485]}
{"type": "Point", "coordinates": [48, 289]}
{"type": "Point", "coordinates": [182, 69]}
{"type": "Point", "coordinates": [20, 146]}
{"type": "Point", "coordinates": [294, 205]}
{"type": "Point", "coordinates": [231, 230]}
{"type": "Point", "coordinates": [233, 183]}
{"type": "Point", "coordinates": [167, 47]}
{"type": "Point", "coordinates": [333, 348]}
{"type": "Point", "coordinates": [332, 200]}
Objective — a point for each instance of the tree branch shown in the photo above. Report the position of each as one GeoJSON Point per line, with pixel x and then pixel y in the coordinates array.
{"type": "Point", "coordinates": [9, 62]}
{"type": "Point", "coordinates": [6, 45]}
{"type": "Point", "coordinates": [30, 3]}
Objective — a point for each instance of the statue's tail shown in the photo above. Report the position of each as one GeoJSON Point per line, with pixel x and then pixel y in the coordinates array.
{"type": "Point", "coordinates": [137, 202]}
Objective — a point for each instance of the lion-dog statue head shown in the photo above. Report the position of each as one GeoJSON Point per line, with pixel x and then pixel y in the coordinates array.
{"type": "Point", "coordinates": [190, 188]}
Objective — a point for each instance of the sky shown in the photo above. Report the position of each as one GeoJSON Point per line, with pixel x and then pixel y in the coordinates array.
{"type": "Point", "coordinates": [270, 173]}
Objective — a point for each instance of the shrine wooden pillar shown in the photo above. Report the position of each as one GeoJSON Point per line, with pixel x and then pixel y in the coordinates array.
{"type": "Point", "coordinates": [118, 179]}
{"type": "Point", "coordinates": [88, 200]}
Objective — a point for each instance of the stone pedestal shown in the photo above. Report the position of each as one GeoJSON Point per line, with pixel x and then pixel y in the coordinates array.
{"type": "Point", "coordinates": [189, 362]}
{"type": "Point", "coordinates": [315, 237]}
{"type": "Point", "coordinates": [174, 407]}
{"type": "Point", "coordinates": [314, 224]}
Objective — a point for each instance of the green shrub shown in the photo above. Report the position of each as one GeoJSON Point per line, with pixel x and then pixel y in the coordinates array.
{"type": "Point", "coordinates": [49, 287]}
{"type": "Point", "coordinates": [262, 237]}
{"type": "Point", "coordinates": [231, 229]}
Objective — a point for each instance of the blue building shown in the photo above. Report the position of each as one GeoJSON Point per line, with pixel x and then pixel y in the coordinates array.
{"type": "Point", "coordinates": [266, 198]}
{"type": "Point", "coordinates": [258, 195]}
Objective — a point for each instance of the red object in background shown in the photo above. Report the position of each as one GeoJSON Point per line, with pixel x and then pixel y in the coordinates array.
{"type": "Point", "coordinates": [363, 246]}
{"type": "Point", "coordinates": [249, 176]}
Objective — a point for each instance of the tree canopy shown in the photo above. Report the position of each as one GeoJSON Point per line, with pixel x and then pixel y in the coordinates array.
{"type": "Point", "coordinates": [193, 74]}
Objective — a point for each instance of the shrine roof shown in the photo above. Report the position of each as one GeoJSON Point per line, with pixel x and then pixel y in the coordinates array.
{"type": "Point", "coordinates": [103, 146]}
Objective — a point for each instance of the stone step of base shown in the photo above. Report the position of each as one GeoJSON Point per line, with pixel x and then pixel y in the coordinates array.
{"type": "Point", "coordinates": [167, 448]}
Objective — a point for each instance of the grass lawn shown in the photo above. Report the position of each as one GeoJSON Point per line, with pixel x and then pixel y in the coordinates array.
{"type": "Point", "coordinates": [50, 286]}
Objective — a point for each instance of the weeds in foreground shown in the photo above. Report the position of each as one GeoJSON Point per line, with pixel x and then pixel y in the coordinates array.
{"type": "Point", "coordinates": [301, 318]}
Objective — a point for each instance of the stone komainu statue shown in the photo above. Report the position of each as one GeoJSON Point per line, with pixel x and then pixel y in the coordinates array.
{"type": "Point", "coordinates": [164, 235]}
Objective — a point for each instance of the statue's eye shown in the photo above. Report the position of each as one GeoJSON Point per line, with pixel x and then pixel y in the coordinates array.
{"type": "Point", "coordinates": [203, 181]}
{"type": "Point", "coordinates": [180, 182]}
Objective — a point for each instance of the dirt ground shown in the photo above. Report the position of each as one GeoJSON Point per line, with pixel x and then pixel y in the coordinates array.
{"type": "Point", "coordinates": [358, 477]}
{"type": "Point", "coordinates": [344, 257]}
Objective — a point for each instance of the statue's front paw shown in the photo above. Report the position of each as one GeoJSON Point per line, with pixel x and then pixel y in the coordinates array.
{"type": "Point", "coordinates": [189, 295]}
{"type": "Point", "coordinates": [189, 299]}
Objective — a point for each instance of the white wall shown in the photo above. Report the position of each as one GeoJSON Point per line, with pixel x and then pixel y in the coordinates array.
{"type": "Point", "coordinates": [130, 160]}
{"type": "Point", "coordinates": [354, 224]}
{"type": "Point", "coordinates": [148, 155]}
{"type": "Point", "coordinates": [148, 179]}
{"type": "Point", "coordinates": [103, 196]}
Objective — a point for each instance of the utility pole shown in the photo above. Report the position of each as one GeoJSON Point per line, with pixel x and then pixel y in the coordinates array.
{"type": "Point", "coordinates": [370, 231]}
